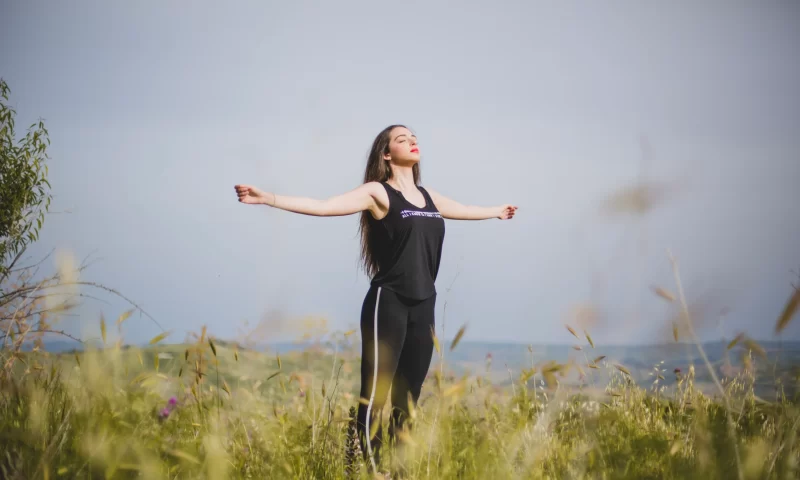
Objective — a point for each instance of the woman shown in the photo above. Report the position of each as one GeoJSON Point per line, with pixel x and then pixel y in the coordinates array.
{"type": "Point", "coordinates": [402, 231]}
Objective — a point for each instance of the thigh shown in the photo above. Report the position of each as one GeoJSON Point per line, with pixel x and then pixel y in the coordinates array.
{"type": "Point", "coordinates": [383, 331]}
{"type": "Point", "coordinates": [415, 358]}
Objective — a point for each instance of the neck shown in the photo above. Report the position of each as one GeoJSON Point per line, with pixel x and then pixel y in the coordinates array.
{"type": "Point", "coordinates": [402, 177]}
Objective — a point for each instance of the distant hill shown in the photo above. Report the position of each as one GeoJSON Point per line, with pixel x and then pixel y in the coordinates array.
{"type": "Point", "coordinates": [501, 362]}
{"type": "Point", "coordinates": [522, 353]}
{"type": "Point", "coordinates": [780, 361]}
{"type": "Point", "coordinates": [57, 346]}
{"type": "Point", "coordinates": [471, 356]}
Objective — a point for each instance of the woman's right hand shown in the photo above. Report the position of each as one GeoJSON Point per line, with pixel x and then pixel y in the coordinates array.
{"type": "Point", "coordinates": [357, 200]}
{"type": "Point", "coordinates": [251, 195]}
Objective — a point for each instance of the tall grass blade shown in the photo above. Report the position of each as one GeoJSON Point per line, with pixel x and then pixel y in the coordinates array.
{"type": "Point", "coordinates": [458, 336]}
{"type": "Point", "coordinates": [572, 332]}
{"type": "Point", "coordinates": [436, 341]}
{"type": "Point", "coordinates": [124, 316]}
{"type": "Point", "coordinates": [788, 311]}
{"type": "Point", "coordinates": [589, 338]}
{"type": "Point", "coordinates": [735, 341]}
{"type": "Point", "coordinates": [668, 296]}
{"type": "Point", "coordinates": [159, 337]}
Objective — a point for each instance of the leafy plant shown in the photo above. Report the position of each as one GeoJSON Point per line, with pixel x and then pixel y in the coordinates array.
{"type": "Point", "coordinates": [24, 188]}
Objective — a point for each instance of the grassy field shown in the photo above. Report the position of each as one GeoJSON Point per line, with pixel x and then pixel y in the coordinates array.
{"type": "Point", "coordinates": [217, 410]}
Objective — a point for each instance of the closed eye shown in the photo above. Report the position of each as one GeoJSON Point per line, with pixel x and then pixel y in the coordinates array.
{"type": "Point", "coordinates": [403, 136]}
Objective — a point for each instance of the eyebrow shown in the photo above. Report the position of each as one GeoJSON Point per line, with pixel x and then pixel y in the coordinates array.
{"type": "Point", "coordinates": [404, 135]}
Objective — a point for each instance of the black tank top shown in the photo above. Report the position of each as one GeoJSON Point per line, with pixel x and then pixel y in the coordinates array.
{"type": "Point", "coordinates": [408, 246]}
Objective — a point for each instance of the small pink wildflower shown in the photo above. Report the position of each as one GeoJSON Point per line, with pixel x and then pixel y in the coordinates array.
{"type": "Point", "coordinates": [164, 413]}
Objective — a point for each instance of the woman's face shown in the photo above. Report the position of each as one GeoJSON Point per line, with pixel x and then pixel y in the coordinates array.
{"type": "Point", "coordinates": [403, 147]}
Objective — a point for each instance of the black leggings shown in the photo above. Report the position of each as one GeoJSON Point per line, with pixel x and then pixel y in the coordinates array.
{"type": "Point", "coordinates": [403, 328]}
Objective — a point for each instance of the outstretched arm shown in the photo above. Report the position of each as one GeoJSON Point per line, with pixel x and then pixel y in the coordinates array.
{"type": "Point", "coordinates": [357, 200]}
{"type": "Point", "coordinates": [455, 211]}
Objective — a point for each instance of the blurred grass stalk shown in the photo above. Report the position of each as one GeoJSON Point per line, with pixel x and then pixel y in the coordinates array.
{"type": "Point", "coordinates": [215, 409]}
{"type": "Point", "coordinates": [104, 413]}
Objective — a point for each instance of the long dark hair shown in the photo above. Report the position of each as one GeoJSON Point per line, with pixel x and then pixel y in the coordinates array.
{"type": "Point", "coordinates": [378, 170]}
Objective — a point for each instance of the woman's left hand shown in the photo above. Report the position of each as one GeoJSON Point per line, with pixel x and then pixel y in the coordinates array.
{"type": "Point", "coordinates": [507, 212]}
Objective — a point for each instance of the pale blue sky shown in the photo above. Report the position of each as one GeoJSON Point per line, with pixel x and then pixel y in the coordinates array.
{"type": "Point", "coordinates": [156, 109]}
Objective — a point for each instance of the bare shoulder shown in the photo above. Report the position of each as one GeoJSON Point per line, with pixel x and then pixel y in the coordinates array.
{"type": "Point", "coordinates": [378, 193]}
{"type": "Point", "coordinates": [435, 195]}
{"type": "Point", "coordinates": [372, 187]}
{"type": "Point", "coordinates": [375, 190]}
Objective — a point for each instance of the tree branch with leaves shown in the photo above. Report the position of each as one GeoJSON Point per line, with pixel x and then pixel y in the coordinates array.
{"type": "Point", "coordinates": [24, 189]}
{"type": "Point", "coordinates": [30, 303]}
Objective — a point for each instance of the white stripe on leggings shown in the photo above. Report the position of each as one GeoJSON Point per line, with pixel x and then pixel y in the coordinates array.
{"type": "Point", "coordinates": [374, 381]}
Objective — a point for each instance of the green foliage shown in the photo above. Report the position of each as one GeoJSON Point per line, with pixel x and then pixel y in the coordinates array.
{"type": "Point", "coordinates": [246, 414]}
{"type": "Point", "coordinates": [24, 189]}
